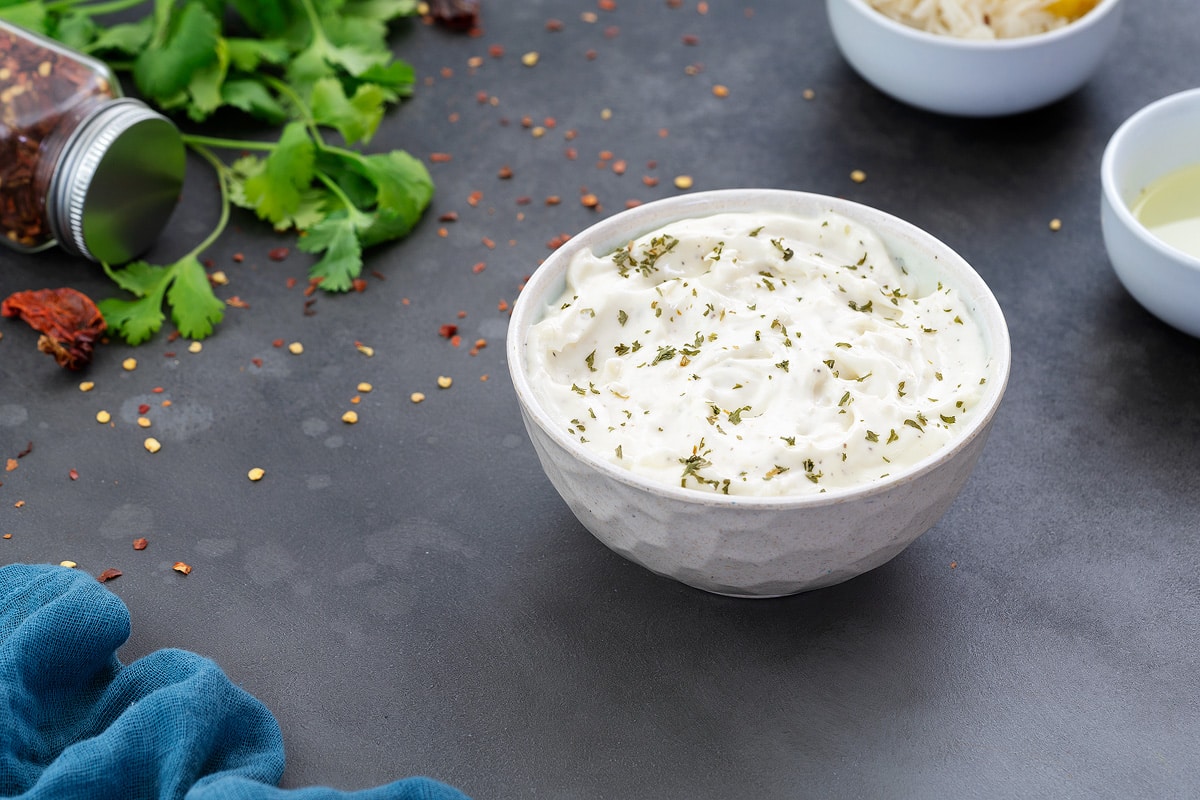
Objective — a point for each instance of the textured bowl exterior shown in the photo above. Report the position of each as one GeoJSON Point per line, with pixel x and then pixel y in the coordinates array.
{"type": "Point", "coordinates": [755, 546]}
{"type": "Point", "coordinates": [1162, 137]}
{"type": "Point", "coordinates": [967, 77]}
{"type": "Point", "coordinates": [752, 550]}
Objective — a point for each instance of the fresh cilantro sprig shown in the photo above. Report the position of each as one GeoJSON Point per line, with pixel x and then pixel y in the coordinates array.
{"type": "Point", "coordinates": [303, 65]}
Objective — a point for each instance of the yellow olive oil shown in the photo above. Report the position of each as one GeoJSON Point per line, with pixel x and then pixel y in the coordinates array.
{"type": "Point", "coordinates": [1170, 209]}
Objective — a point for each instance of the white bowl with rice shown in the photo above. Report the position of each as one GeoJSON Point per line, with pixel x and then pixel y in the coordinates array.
{"type": "Point", "coordinates": [975, 58]}
{"type": "Point", "coordinates": [757, 392]}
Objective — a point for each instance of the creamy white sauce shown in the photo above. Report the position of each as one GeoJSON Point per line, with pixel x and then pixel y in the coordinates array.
{"type": "Point", "coordinates": [757, 354]}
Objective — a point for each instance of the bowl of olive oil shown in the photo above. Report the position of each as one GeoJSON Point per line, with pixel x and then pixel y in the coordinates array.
{"type": "Point", "coordinates": [1150, 208]}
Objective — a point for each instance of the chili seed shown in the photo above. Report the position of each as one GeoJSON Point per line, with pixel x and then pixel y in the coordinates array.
{"type": "Point", "coordinates": [86, 386]}
{"type": "Point", "coordinates": [68, 564]}
{"type": "Point", "coordinates": [256, 474]}
{"type": "Point", "coordinates": [858, 176]}
{"type": "Point", "coordinates": [530, 59]}
{"type": "Point", "coordinates": [143, 422]}
{"type": "Point", "coordinates": [365, 387]}
{"type": "Point", "coordinates": [444, 382]}
{"type": "Point", "coordinates": [416, 397]}
{"type": "Point", "coordinates": [295, 348]}
{"type": "Point", "coordinates": [1056, 224]}
{"type": "Point", "coordinates": [683, 182]}
{"type": "Point", "coordinates": [350, 417]}
{"type": "Point", "coordinates": [195, 347]}
{"type": "Point", "coordinates": [152, 445]}
{"type": "Point", "coordinates": [103, 417]}
{"type": "Point", "coordinates": [129, 364]}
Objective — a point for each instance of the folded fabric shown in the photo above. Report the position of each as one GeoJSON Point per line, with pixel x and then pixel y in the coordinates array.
{"type": "Point", "coordinates": [76, 723]}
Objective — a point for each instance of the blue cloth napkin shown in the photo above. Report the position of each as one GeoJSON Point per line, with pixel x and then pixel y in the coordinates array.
{"type": "Point", "coordinates": [75, 723]}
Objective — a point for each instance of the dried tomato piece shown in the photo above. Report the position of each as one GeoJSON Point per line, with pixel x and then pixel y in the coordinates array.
{"type": "Point", "coordinates": [68, 320]}
{"type": "Point", "coordinates": [459, 15]}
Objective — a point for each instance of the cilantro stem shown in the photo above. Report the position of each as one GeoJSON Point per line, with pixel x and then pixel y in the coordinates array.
{"type": "Point", "coordinates": [95, 9]}
{"type": "Point", "coordinates": [197, 141]}
{"type": "Point", "coordinates": [284, 89]}
{"type": "Point", "coordinates": [222, 181]}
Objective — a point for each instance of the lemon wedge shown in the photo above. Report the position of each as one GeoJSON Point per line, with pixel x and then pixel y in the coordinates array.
{"type": "Point", "coordinates": [1070, 9]}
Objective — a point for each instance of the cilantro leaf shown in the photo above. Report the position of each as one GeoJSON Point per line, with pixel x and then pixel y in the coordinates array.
{"type": "Point", "coordinates": [337, 236]}
{"type": "Point", "coordinates": [274, 192]}
{"type": "Point", "coordinates": [355, 118]}
{"type": "Point", "coordinates": [185, 287]}
{"type": "Point", "coordinates": [183, 42]}
{"type": "Point", "coordinates": [253, 98]}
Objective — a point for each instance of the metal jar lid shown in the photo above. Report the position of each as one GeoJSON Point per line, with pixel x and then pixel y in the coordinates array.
{"type": "Point", "coordinates": [118, 181]}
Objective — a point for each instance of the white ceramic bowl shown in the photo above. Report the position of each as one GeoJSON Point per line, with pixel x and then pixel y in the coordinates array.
{"type": "Point", "coordinates": [1161, 138]}
{"type": "Point", "coordinates": [967, 77]}
{"type": "Point", "coordinates": [756, 546]}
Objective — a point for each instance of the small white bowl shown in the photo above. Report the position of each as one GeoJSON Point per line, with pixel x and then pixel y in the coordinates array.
{"type": "Point", "coordinates": [1157, 140]}
{"type": "Point", "coordinates": [756, 546]}
{"type": "Point", "coordinates": [967, 77]}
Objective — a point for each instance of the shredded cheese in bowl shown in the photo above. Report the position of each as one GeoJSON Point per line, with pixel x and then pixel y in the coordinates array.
{"type": "Point", "coordinates": [984, 19]}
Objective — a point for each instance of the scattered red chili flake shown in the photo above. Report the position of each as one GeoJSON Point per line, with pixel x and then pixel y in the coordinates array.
{"type": "Point", "coordinates": [550, 122]}
{"type": "Point", "coordinates": [157, 390]}
{"type": "Point", "coordinates": [480, 344]}
{"type": "Point", "coordinates": [377, 275]}
{"type": "Point", "coordinates": [570, 134]}
{"type": "Point", "coordinates": [68, 321]}
{"type": "Point", "coordinates": [457, 15]}
{"type": "Point", "coordinates": [109, 574]}
{"type": "Point", "coordinates": [440, 158]}
{"type": "Point", "coordinates": [73, 474]}
{"type": "Point", "coordinates": [258, 362]}
{"type": "Point", "coordinates": [442, 232]}
{"type": "Point", "coordinates": [632, 203]}
{"type": "Point", "coordinates": [169, 354]}
{"type": "Point", "coordinates": [461, 314]}
{"type": "Point", "coordinates": [590, 55]}
{"type": "Point", "coordinates": [238, 258]}
{"type": "Point", "coordinates": [143, 408]}
{"type": "Point", "coordinates": [496, 50]}
{"type": "Point", "coordinates": [502, 305]}
{"type": "Point", "coordinates": [140, 544]}
{"type": "Point", "coordinates": [479, 267]}
{"type": "Point", "coordinates": [691, 39]}
{"type": "Point", "coordinates": [291, 283]}
{"type": "Point", "coordinates": [449, 216]}
{"type": "Point", "coordinates": [611, 32]}
{"type": "Point", "coordinates": [650, 180]}
{"type": "Point", "coordinates": [571, 153]}
{"type": "Point", "coordinates": [619, 166]}
{"type": "Point", "coordinates": [11, 464]}
{"type": "Point", "coordinates": [237, 302]}
{"type": "Point", "coordinates": [277, 343]}
{"type": "Point", "coordinates": [505, 173]}
{"type": "Point", "coordinates": [554, 25]}
{"type": "Point", "coordinates": [447, 72]}
{"type": "Point", "coordinates": [182, 568]}
{"type": "Point", "coordinates": [702, 7]}
{"type": "Point", "coordinates": [455, 340]}
{"type": "Point", "coordinates": [359, 285]}
{"type": "Point", "coordinates": [524, 200]}
{"type": "Point", "coordinates": [28, 449]}
{"type": "Point", "coordinates": [474, 197]}
{"type": "Point", "coordinates": [489, 243]}
{"type": "Point", "coordinates": [553, 200]}
{"type": "Point", "coordinates": [607, 5]}
{"type": "Point", "coordinates": [447, 331]}
{"type": "Point", "coordinates": [481, 97]}
{"type": "Point", "coordinates": [590, 200]}
{"type": "Point", "coordinates": [278, 253]}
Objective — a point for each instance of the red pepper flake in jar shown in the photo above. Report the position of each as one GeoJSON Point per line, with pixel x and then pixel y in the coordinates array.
{"type": "Point", "coordinates": [140, 544]}
{"type": "Point", "coordinates": [109, 574]}
{"type": "Point", "coordinates": [68, 321]}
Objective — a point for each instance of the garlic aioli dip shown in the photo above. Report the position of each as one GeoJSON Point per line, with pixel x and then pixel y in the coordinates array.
{"type": "Point", "coordinates": [756, 354]}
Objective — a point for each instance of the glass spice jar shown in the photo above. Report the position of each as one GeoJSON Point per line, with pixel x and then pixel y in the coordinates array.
{"type": "Point", "coordinates": [80, 165]}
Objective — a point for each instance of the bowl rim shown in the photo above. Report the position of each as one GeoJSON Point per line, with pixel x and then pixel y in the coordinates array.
{"type": "Point", "coordinates": [1108, 175]}
{"type": "Point", "coordinates": [609, 233]}
{"type": "Point", "coordinates": [1092, 18]}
